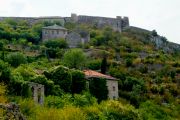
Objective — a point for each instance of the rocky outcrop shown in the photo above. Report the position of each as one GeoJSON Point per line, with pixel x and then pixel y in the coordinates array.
{"type": "Point", "coordinates": [12, 112]}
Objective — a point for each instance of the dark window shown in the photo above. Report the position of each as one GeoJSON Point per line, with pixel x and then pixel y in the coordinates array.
{"type": "Point", "coordinates": [114, 97]}
{"type": "Point", "coordinates": [114, 88]}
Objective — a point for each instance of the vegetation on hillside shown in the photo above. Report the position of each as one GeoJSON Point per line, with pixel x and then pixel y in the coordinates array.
{"type": "Point", "coordinates": [148, 78]}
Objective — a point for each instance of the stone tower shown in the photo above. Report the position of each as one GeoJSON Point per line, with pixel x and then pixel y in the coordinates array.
{"type": "Point", "coordinates": [74, 17]}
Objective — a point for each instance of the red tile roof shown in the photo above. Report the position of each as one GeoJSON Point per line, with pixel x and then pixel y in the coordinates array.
{"type": "Point", "coordinates": [91, 74]}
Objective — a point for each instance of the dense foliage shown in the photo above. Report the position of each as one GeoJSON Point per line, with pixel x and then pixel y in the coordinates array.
{"type": "Point", "coordinates": [148, 77]}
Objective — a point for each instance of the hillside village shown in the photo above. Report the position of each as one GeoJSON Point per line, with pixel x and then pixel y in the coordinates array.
{"type": "Point", "coordinates": [86, 67]}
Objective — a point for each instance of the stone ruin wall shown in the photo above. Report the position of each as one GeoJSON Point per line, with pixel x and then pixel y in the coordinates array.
{"type": "Point", "coordinates": [118, 23]}
{"type": "Point", "coordinates": [33, 20]}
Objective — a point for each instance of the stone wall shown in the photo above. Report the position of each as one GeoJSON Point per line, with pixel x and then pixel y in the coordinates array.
{"type": "Point", "coordinates": [112, 86]}
{"type": "Point", "coordinates": [53, 34]}
{"type": "Point", "coordinates": [118, 23]}
{"type": "Point", "coordinates": [73, 39]}
{"type": "Point", "coordinates": [37, 92]}
{"type": "Point", "coordinates": [33, 20]}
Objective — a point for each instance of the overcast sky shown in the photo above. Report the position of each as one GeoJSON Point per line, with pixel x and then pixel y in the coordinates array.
{"type": "Point", "coordinates": [162, 15]}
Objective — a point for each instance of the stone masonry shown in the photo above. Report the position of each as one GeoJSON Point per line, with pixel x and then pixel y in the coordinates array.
{"type": "Point", "coordinates": [37, 92]}
{"type": "Point", "coordinates": [118, 24]}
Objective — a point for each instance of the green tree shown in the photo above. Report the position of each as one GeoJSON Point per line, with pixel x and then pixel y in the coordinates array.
{"type": "Point", "coordinates": [75, 58]}
{"type": "Point", "coordinates": [154, 33]}
{"type": "Point", "coordinates": [104, 65]}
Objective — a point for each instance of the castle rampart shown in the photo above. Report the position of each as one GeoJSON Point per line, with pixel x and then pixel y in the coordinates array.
{"type": "Point", "coordinates": [118, 23]}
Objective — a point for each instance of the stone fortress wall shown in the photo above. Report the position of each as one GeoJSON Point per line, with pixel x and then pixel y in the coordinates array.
{"type": "Point", "coordinates": [118, 23]}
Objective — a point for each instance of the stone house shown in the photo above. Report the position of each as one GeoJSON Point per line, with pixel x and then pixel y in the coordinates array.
{"type": "Point", "coordinates": [53, 32]}
{"type": "Point", "coordinates": [74, 38]}
{"type": "Point", "coordinates": [112, 83]}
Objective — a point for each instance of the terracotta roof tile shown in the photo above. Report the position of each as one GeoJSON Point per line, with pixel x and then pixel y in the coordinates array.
{"type": "Point", "coordinates": [91, 74]}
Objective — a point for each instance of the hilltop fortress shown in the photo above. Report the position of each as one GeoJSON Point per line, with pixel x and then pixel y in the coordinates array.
{"type": "Point", "coordinates": [117, 24]}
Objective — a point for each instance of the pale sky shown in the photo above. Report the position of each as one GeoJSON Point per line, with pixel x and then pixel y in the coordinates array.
{"type": "Point", "coordinates": [161, 15]}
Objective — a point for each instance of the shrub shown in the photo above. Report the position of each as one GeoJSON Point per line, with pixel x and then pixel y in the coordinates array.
{"type": "Point", "coordinates": [50, 88]}
{"type": "Point", "coordinates": [151, 111]}
{"type": "Point", "coordinates": [57, 43]}
{"type": "Point", "coordinates": [62, 77]}
{"type": "Point", "coordinates": [1, 45]}
{"type": "Point", "coordinates": [3, 98]}
{"type": "Point", "coordinates": [25, 71]}
{"type": "Point", "coordinates": [143, 69]}
{"type": "Point", "coordinates": [75, 58]}
{"type": "Point", "coordinates": [114, 110]}
{"type": "Point", "coordinates": [94, 64]}
{"type": "Point", "coordinates": [15, 59]}
{"type": "Point", "coordinates": [67, 113]}
{"type": "Point", "coordinates": [98, 84]}
{"type": "Point", "coordinates": [27, 107]}
{"type": "Point", "coordinates": [5, 72]}
{"type": "Point", "coordinates": [84, 99]}
{"type": "Point", "coordinates": [58, 102]}
{"type": "Point", "coordinates": [129, 62]}
{"type": "Point", "coordinates": [93, 113]}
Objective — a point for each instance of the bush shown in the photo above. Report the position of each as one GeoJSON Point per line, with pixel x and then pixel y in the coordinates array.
{"type": "Point", "coordinates": [24, 71]}
{"type": "Point", "coordinates": [5, 72]}
{"type": "Point", "coordinates": [50, 88]}
{"type": "Point", "coordinates": [75, 58]}
{"type": "Point", "coordinates": [61, 76]}
{"type": "Point", "coordinates": [58, 102]}
{"type": "Point", "coordinates": [129, 62]}
{"type": "Point", "coordinates": [98, 84]}
{"type": "Point", "coordinates": [84, 100]}
{"type": "Point", "coordinates": [94, 64]}
{"type": "Point", "coordinates": [94, 113]}
{"type": "Point", "coordinates": [56, 43]}
{"type": "Point", "coordinates": [3, 98]}
{"type": "Point", "coordinates": [151, 111]}
{"type": "Point", "coordinates": [27, 107]}
{"type": "Point", "coordinates": [67, 113]}
{"type": "Point", "coordinates": [114, 110]}
{"type": "Point", "coordinates": [15, 59]}
{"type": "Point", "coordinates": [78, 81]}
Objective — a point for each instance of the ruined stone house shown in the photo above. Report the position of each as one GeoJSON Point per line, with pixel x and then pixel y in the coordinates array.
{"type": "Point", "coordinates": [37, 92]}
{"type": "Point", "coordinates": [53, 32]}
{"type": "Point", "coordinates": [112, 83]}
{"type": "Point", "coordinates": [74, 38]}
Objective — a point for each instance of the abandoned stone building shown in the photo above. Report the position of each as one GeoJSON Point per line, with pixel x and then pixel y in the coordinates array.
{"type": "Point", "coordinates": [112, 83]}
{"type": "Point", "coordinates": [74, 38]}
{"type": "Point", "coordinates": [53, 32]}
{"type": "Point", "coordinates": [37, 92]}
